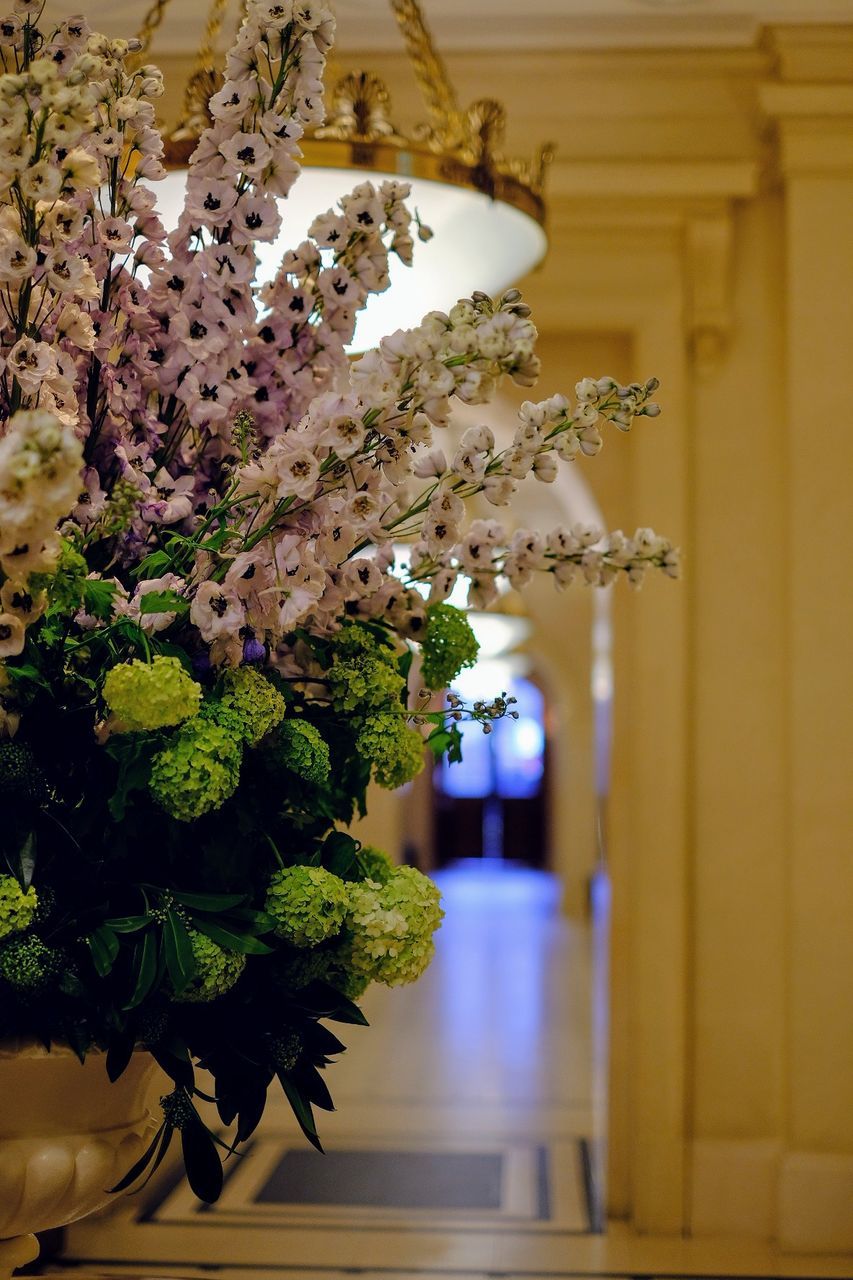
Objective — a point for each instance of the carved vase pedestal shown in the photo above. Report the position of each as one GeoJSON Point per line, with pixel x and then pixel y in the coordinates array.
{"type": "Point", "coordinates": [66, 1136]}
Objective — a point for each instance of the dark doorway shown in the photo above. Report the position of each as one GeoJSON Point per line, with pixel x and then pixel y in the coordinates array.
{"type": "Point", "coordinates": [494, 804]}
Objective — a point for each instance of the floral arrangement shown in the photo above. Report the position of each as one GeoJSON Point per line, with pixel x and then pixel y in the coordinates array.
{"type": "Point", "coordinates": [205, 639]}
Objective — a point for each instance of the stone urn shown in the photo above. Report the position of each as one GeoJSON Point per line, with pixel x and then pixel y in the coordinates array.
{"type": "Point", "coordinates": [66, 1136]}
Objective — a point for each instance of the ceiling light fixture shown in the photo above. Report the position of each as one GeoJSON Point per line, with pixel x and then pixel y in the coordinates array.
{"type": "Point", "coordinates": [487, 211]}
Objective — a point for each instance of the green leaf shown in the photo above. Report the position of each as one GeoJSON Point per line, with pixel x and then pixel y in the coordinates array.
{"type": "Point", "coordinates": [27, 859]}
{"type": "Point", "coordinates": [162, 602]}
{"type": "Point", "coordinates": [201, 1161]}
{"type": "Point", "coordinates": [119, 1055]}
{"type": "Point", "coordinates": [314, 1087]}
{"type": "Point", "coordinates": [169, 650]}
{"type": "Point", "coordinates": [104, 946]}
{"type": "Point", "coordinates": [134, 769]}
{"type": "Point", "coordinates": [153, 566]}
{"type": "Point", "coordinates": [26, 671]}
{"type": "Point", "coordinates": [178, 950]}
{"type": "Point", "coordinates": [325, 1001]}
{"type": "Point", "coordinates": [70, 984]}
{"type": "Point", "coordinates": [301, 1109]}
{"type": "Point", "coordinates": [175, 1060]}
{"type": "Point", "coordinates": [127, 924]}
{"type": "Point", "coordinates": [155, 1152]}
{"type": "Point", "coordinates": [217, 540]}
{"type": "Point", "coordinates": [144, 968]}
{"type": "Point", "coordinates": [98, 596]}
{"type": "Point", "coordinates": [443, 740]}
{"type": "Point", "coordinates": [245, 943]}
{"type": "Point", "coordinates": [210, 901]}
{"type": "Point", "coordinates": [259, 921]}
{"type": "Point", "coordinates": [339, 853]}
{"type": "Point", "coordinates": [404, 663]}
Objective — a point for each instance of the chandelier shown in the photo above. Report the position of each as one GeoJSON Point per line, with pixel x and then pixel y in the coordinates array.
{"type": "Point", "coordinates": [485, 210]}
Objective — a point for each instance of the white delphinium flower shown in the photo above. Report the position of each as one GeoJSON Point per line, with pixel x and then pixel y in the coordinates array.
{"type": "Point", "coordinates": [469, 465]}
{"type": "Point", "coordinates": [12, 635]}
{"type": "Point", "coordinates": [298, 471]}
{"type": "Point", "coordinates": [475, 550]}
{"type": "Point", "coordinates": [31, 363]}
{"type": "Point", "coordinates": [40, 466]}
{"type": "Point", "coordinates": [545, 467]}
{"type": "Point", "coordinates": [499, 490]}
{"type": "Point", "coordinates": [430, 465]}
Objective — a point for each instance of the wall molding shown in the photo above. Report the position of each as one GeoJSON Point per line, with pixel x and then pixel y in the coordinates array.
{"type": "Point", "coordinates": [734, 1188]}
{"type": "Point", "coordinates": [814, 1203]}
{"type": "Point", "coordinates": [754, 1189]}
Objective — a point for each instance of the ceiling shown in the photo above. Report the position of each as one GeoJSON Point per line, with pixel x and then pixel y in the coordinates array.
{"type": "Point", "coordinates": [496, 24]}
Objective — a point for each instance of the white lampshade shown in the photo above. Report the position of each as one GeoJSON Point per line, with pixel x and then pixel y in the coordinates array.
{"type": "Point", "coordinates": [498, 633]}
{"type": "Point", "coordinates": [479, 243]}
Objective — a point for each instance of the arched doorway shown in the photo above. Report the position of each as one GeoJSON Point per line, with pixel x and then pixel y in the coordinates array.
{"type": "Point", "coordinates": [494, 804]}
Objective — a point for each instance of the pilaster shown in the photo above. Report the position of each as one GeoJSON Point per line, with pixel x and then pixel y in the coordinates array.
{"type": "Point", "coordinates": [813, 123]}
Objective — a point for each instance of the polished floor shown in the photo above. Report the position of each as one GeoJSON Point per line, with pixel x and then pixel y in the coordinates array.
{"type": "Point", "coordinates": [468, 1141]}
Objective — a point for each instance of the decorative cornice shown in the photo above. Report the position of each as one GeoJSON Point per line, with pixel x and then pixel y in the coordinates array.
{"type": "Point", "coordinates": [709, 249]}
{"type": "Point", "coordinates": [813, 124]}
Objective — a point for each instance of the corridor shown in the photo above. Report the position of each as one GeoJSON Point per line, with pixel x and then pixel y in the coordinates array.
{"type": "Point", "coordinates": [466, 1140]}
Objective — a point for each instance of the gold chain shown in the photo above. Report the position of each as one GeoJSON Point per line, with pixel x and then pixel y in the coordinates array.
{"type": "Point", "coordinates": [430, 71]}
{"type": "Point", "coordinates": [194, 116]}
{"type": "Point", "coordinates": [150, 23]}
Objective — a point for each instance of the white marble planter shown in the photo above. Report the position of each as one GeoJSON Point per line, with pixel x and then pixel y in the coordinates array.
{"type": "Point", "coordinates": [66, 1136]}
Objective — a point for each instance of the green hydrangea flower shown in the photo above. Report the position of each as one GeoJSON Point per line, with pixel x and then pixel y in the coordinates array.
{"type": "Point", "coordinates": [391, 926]}
{"type": "Point", "coordinates": [299, 747]}
{"type": "Point", "coordinates": [286, 1049]}
{"type": "Point", "coordinates": [216, 970]}
{"type": "Point", "coordinates": [340, 974]}
{"type": "Point", "coordinates": [29, 966]}
{"type": "Point", "coordinates": [254, 701]}
{"type": "Point", "coordinates": [375, 864]}
{"type": "Point", "coordinates": [363, 673]}
{"type": "Point", "coordinates": [17, 907]}
{"type": "Point", "coordinates": [300, 969]}
{"type": "Point", "coordinates": [151, 695]}
{"type": "Point", "coordinates": [448, 646]}
{"type": "Point", "coordinates": [20, 775]}
{"type": "Point", "coordinates": [197, 771]}
{"type": "Point", "coordinates": [308, 903]}
{"type": "Point", "coordinates": [395, 751]}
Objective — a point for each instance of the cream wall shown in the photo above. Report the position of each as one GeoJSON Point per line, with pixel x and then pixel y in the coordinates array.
{"type": "Point", "coordinates": [732, 1089]}
{"type": "Point", "coordinates": [702, 209]}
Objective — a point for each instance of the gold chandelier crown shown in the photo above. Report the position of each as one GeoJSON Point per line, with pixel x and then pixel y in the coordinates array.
{"type": "Point", "coordinates": [455, 145]}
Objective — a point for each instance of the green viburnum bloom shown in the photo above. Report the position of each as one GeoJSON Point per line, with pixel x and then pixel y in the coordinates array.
{"type": "Point", "coordinates": [286, 1049]}
{"type": "Point", "coordinates": [20, 775]}
{"type": "Point", "coordinates": [448, 646]}
{"type": "Point", "coordinates": [395, 751]}
{"type": "Point", "coordinates": [216, 970]}
{"type": "Point", "coordinates": [300, 969]}
{"type": "Point", "coordinates": [198, 770]}
{"type": "Point", "coordinates": [17, 907]}
{"type": "Point", "coordinates": [308, 904]}
{"type": "Point", "coordinates": [255, 703]}
{"type": "Point", "coordinates": [151, 695]}
{"type": "Point", "coordinates": [340, 974]}
{"type": "Point", "coordinates": [29, 966]}
{"type": "Point", "coordinates": [65, 582]}
{"type": "Point", "coordinates": [375, 864]}
{"type": "Point", "coordinates": [363, 673]}
{"type": "Point", "coordinates": [299, 747]}
{"type": "Point", "coordinates": [391, 926]}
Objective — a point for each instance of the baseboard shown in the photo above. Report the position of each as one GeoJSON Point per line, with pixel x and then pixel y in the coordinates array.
{"type": "Point", "coordinates": [816, 1203]}
{"type": "Point", "coordinates": [734, 1188]}
{"type": "Point", "coordinates": [802, 1200]}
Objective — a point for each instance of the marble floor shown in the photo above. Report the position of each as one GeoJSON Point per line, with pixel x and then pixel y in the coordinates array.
{"type": "Point", "coordinates": [468, 1142]}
